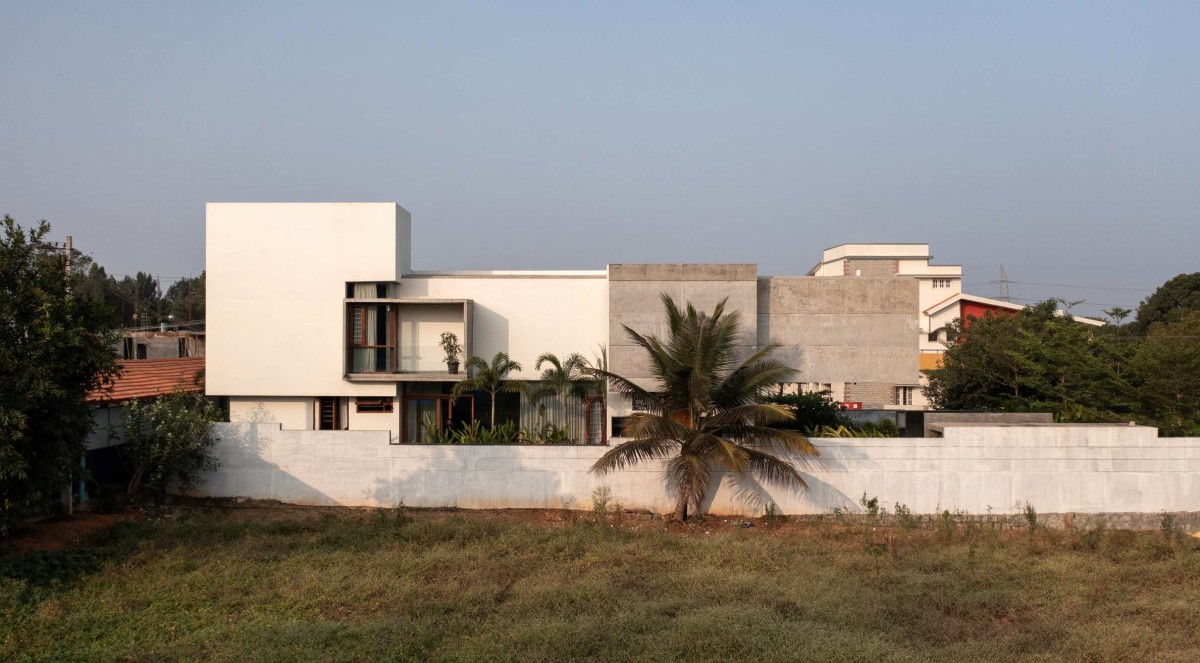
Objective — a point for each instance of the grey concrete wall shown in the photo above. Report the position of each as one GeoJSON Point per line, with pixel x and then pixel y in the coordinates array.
{"type": "Point", "coordinates": [634, 293]}
{"type": "Point", "coordinates": [836, 329]}
{"type": "Point", "coordinates": [866, 267]}
{"type": "Point", "coordinates": [977, 469]}
{"type": "Point", "coordinates": [942, 419]}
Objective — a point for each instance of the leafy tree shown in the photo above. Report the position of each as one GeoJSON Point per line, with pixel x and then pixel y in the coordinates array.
{"type": "Point", "coordinates": [709, 407]}
{"type": "Point", "coordinates": [55, 348]}
{"type": "Point", "coordinates": [184, 300]}
{"type": "Point", "coordinates": [811, 410]}
{"type": "Point", "coordinates": [1166, 370]}
{"type": "Point", "coordinates": [167, 440]}
{"type": "Point", "coordinates": [492, 378]}
{"type": "Point", "coordinates": [1035, 360]}
{"type": "Point", "coordinates": [1170, 302]}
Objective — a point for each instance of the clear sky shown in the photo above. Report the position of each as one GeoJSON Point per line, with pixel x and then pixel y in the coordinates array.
{"type": "Point", "coordinates": [1060, 140]}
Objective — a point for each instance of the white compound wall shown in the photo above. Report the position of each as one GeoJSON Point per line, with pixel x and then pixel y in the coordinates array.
{"type": "Point", "coordinates": [1056, 468]}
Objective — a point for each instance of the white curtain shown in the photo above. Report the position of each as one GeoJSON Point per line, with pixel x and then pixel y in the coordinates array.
{"type": "Point", "coordinates": [535, 414]}
{"type": "Point", "coordinates": [364, 358]}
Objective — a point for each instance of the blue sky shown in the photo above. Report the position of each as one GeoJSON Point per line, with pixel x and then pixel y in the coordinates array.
{"type": "Point", "coordinates": [1060, 140]}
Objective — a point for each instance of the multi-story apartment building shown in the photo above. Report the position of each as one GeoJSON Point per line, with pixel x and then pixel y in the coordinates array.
{"type": "Point", "coordinates": [316, 319]}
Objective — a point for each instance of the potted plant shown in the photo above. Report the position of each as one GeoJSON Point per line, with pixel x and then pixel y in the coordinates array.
{"type": "Point", "coordinates": [452, 349]}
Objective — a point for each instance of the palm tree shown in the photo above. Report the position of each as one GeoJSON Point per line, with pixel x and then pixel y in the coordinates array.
{"type": "Point", "coordinates": [708, 407]}
{"type": "Point", "coordinates": [491, 378]}
{"type": "Point", "coordinates": [563, 379]}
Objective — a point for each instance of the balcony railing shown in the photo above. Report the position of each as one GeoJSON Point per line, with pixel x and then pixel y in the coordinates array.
{"type": "Point", "coordinates": [409, 359]}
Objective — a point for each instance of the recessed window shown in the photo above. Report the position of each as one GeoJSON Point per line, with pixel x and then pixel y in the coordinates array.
{"type": "Point", "coordinates": [942, 283]}
{"type": "Point", "coordinates": [373, 405]}
{"type": "Point", "coordinates": [904, 395]}
{"type": "Point", "coordinates": [328, 414]}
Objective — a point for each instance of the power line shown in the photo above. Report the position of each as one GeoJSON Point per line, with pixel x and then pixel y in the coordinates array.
{"type": "Point", "coordinates": [1066, 285]}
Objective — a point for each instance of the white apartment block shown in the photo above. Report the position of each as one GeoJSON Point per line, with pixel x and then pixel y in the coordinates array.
{"type": "Point", "coordinates": [316, 320]}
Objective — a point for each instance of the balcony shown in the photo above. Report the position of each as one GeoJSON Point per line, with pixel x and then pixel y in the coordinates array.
{"type": "Point", "coordinates": [398, 340]}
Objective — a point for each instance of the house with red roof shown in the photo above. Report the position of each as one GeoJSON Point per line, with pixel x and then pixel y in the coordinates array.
{"type": "Point", "coordinates": [138, 380]}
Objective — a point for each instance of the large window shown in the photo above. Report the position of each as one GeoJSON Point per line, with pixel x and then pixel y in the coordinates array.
{"type": "Point", "coordinates": [427, 416]}
{"type": "Point", "coordinates": [372, 338]}
{"type": "Point", "coordinates": [904, 395]}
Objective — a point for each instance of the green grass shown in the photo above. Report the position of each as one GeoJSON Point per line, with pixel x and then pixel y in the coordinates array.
{"type": "Point", "coordinates": [295, 585]}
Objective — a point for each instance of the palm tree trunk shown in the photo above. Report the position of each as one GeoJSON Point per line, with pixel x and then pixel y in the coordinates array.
{"type": "Point", "coordinates": [681, 504]}
{"type": "Point", "coordinates": [492, 421]}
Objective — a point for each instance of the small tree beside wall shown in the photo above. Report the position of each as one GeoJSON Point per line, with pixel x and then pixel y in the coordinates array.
{"type": "Point", "coordinates": [167, 439]}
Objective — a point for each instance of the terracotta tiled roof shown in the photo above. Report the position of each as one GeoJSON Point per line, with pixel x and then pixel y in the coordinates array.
{"type": "Point", "coordinates": [147, 378]}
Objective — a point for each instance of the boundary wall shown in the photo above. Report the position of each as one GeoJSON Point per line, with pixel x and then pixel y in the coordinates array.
{"type": "Point", "coordinates": [974, 468]}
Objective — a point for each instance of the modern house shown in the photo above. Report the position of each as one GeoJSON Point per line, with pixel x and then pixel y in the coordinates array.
{"type": "Point", "coordinates": [317, 320]}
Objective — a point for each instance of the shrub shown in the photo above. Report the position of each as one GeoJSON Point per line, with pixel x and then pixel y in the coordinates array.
{"type": "Point", "coordinates": [166, 440]}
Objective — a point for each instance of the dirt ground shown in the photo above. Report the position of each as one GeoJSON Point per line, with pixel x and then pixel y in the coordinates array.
{"type": "Point", "coordinates": [59, 533]}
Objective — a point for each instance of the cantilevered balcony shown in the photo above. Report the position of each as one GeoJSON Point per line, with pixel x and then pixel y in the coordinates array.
{"type": "Point", "coordinates": [398, 340]}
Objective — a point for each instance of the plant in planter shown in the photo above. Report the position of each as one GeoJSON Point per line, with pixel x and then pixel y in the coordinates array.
{"type": "Point", "coordinates": [452, 349]}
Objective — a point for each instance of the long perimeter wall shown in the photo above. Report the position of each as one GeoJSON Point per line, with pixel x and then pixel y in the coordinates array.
{"type": "Point", "coordinates": [1057, 469]}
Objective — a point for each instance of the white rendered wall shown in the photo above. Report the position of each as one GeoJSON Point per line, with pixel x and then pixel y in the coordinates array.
{"type": "Point", "coordinates": [276, 281]}
{"type": "Point", "coordinates": [1057, 469]}
{"type": "Point", "coordinates": [526, 315]}
{"type": "Point", "coordinates": [291, 413]}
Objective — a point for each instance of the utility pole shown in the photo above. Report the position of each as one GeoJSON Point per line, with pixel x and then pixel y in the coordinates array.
{"type": "Point", "coordinates": [68, 499]}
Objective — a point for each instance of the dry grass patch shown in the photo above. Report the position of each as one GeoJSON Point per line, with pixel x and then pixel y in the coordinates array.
{"type": "Point", "coordinates": [296, 585]}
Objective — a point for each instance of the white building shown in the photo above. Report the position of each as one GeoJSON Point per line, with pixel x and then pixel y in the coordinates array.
{"type": "Point", "coordinates": [316, 319]}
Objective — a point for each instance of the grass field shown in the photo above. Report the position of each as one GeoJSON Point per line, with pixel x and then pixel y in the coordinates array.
{"type": "Point", "coordinates": [275, 584]}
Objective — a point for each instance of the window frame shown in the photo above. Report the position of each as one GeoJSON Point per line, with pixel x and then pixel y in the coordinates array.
{"type": "Point", "coordinates": [318, 405]}
{"type": "Point", "coordinates": [375, 405]}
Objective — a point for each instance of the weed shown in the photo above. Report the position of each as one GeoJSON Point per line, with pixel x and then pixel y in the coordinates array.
{"type": "Point", "coordinates": [946, 525]}
{"type": "Point", "coordinates": [1169, 528]}
{"type": "Point", "coordinates": [600, 499]}
{"type": "Point", "coordinates": [568, 515]}
{"type": "Point", "coordinates": [905, 518]}
{"type": "Point", "coordinates": [771, 514]}
{"type": "Point", "coordinates": [1030, 514]}
{"type": "Point", "coordinates": [872, 508]}
{"type": "Point", "coordinates": [401, 514]}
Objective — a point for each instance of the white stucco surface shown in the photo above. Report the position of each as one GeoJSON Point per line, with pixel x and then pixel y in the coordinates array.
{"type": "Point", "coordinates": [276, 286]}
{"type": "Point", "coordinates": [1058, 469]}
{"type": "Point", "coordinates": [526, 315]}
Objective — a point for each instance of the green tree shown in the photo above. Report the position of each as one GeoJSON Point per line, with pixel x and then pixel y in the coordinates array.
{"type": "Point", "coordinates": [184, 300]}
{"type": "Point", "coordinates": [1170, 302]}
{"type": "Point", "coordinates": [167, 440]}
{"type": "Point", "coordinates": [55, 348]}
{"type": "Point", "coordinates": [1166, 371]}
{"type": "Point", "coordinates": [491, 378]}
{"type": "Point", "coordinates": [709, 409]}
{"type": "Point", "coordinates": [811, 410]}
{"type": "Point", "coordinates": [1035, 360]}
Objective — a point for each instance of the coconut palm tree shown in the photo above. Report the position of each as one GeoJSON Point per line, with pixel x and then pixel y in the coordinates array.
{"type": "Point", "coordinates": [563, 379]}
{"type": "Point", "coordinates": [708, 407]}
{"type": "Point", "coordinates": [492, 378]}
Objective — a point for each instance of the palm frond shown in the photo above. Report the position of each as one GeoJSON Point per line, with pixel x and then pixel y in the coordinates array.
{"type": "Point", "coordinates": [690, 473]}
{"type": "Point", "coordinates": [647, 425]}
{"type": "Point", "coordinates": [773, 470]}
{"type": "Point", "coordinates": [633, 452]}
